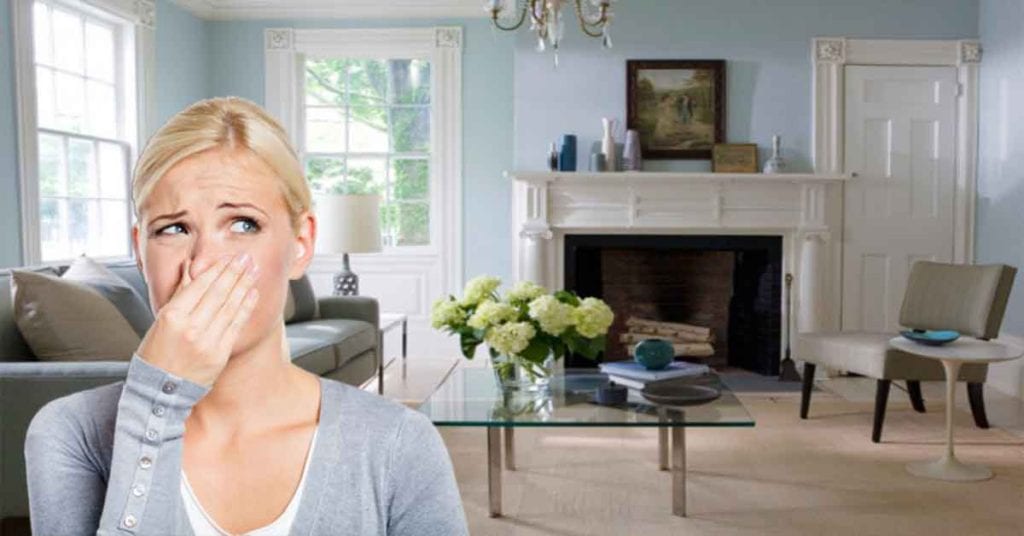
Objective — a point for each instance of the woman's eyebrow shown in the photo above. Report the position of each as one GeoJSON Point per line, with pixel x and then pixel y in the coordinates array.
{"type": "Point", "coordinates": [237, 205]}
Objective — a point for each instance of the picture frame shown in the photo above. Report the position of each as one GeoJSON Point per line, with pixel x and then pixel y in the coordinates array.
{"type": "Point", "coordinates": [677, 107]}
{"type": "Point", "coordinates": [734, 158]}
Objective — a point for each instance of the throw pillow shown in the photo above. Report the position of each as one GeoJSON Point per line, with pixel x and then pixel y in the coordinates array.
{"type": "Point", "coordinates": [114, 288]}
{"type": "Point", "coordinates": [64, 320]}
{"type": "Point", "coordinates": [301, 303]}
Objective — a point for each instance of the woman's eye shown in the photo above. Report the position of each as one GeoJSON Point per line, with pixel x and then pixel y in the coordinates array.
{"type": "Point", "coordinates": [252, 223]}
{"type": "Point", "coordinates": [161, 230]}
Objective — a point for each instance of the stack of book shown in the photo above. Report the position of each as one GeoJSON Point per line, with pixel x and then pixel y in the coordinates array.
{"type": "Point", "coordinates": [635, 376]}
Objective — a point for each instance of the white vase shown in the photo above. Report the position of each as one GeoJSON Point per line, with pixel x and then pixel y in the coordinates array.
{"type": "Point", "coordinates": [608, 144]}
{"type": "Point", "coordinates": [631, 154]}
{"type": "Point", "coordinates": [775, 164]}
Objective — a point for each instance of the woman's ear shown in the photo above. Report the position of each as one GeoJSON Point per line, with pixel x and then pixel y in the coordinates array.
{"type": "Point", "coordinates": [304, 249]}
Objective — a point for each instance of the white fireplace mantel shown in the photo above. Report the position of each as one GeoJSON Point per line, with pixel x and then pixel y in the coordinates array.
{"type": "Point", "coordinates": [804, 209]}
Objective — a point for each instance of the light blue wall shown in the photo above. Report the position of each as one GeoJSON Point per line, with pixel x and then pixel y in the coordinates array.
{"type": "Point", "coordinates": [10, 211]}
{"type": "Point", "coordinates": [1000, 216]}
{"type": "Point", "coordinates": [182, 44]}
{"type": "Point", "coordinates": [236, 68]}
{"type": "Point", "coordinates": [766, 44]}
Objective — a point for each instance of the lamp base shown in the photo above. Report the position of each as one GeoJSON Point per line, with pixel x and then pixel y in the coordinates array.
{"type": "Point", "coordinates": [346, 282]}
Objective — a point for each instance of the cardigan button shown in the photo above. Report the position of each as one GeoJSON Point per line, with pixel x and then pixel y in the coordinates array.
{"type": "Point", "coordinates": [151, 434]}
{"type": "Point", "coordinates": [138, 490]}
{"type": "Point", "coordinates": [158, 411]}
{"type": "Point", "coordinates": [130, 521]}
{"type": "Point", "coordinates": [145, 462]}
{"type": "Point", "coordinates": [170, 387]}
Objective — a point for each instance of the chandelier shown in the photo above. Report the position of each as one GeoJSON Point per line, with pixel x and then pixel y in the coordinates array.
{"type": "Point", "coordinates": [548, 22]}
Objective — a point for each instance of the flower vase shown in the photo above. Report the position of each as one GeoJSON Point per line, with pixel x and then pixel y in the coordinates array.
{"type": "Point", "coordinates": [514, 373]}
{"type": "Point", "coordinates": [608, 144]}
{"type": "Point", "coordinates": [775, 164]}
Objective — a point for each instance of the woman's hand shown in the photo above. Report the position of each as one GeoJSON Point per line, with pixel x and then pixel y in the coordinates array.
{"type": "Point", "coordinates": [194, 332]}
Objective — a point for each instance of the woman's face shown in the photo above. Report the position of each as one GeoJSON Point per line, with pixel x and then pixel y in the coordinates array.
{"type": "Point", "coordinates": [222, 201]}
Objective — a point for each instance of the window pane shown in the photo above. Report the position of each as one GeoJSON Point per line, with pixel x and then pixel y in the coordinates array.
{"type": "Point", "coordinates": [81, 169]}
{"type": "Point", "coordinates": [68, 42]}
{"type": "Point", "coordinates": [368, 131]}
{"type": "Point", "coordinates": [70, 97]}
{"type": "Point", "coordinates": [413, 224]}
{"type": "Point", "coordinates": [43, 36]}
{"type": "Point", "coordinates": [99, 50]}
{"type": "Point", "coordinates": [110, 235]}
{"type": "Point", "coordinates": [52, 214]}
{"type": "Point", "coordinates": [102, 106]}
{"type": "Point", "coordinates": [410, 129]}
{"type": "Point", "coordinates": [368, 82]}
{"type": "Point", "coordinates": [410, 179]}
{"type": "Point", "coordinates": [366, 176]}
{"type": "Point", "coordinates": [113, 172]}
{"type": "Point", "coordinates": [410, 80]}
{"type": "Point", "coordinates": [51, 172]}
{"type": "Point", "coordinates": [44, 97]}
{"type": "Point", "coordinates": [325, 130]}
{"type": "Point", "coordinates": [82, 222]}
{"type": "Point", "coordinates": [326, 174]}
{"type": "Point", "coordinates": [325, 82]}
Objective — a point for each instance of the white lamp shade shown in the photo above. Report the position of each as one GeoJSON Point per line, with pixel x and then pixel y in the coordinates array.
{"type": "Point", "coordinates": [347, 223]}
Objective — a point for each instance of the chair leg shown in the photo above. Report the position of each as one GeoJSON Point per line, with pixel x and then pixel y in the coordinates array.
{"type": "Point", "coordinates": [916, 400]}
{"type": "Point", "coordinates": [881, 399]}
{"type": "Point", "coordinates": [805, 392]}
{"type": "Point", "coordinates": [975, 393]}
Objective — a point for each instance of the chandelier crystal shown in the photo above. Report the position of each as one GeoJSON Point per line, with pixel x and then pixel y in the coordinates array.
{"type": "Point", "coordinates": [547, 20]}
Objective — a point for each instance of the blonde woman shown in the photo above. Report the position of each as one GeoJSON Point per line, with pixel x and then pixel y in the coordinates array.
{"type": "Point", "coordinates": [214, 430]}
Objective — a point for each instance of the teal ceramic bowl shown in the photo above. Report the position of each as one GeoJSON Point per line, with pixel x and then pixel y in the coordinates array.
{"type": "Point", "coordinates": [931, 337]}
{"type": "Point", "coordinates": [654, 354]}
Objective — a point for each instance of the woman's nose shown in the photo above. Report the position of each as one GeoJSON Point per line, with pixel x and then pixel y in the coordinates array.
{"type": "Point", "coordinates": [201, 262]}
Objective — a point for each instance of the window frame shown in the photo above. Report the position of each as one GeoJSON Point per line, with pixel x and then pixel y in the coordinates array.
{"type": "Point", "coordinates": [133, 80]}
{"type": "Point", "coordinates": [285, 53]}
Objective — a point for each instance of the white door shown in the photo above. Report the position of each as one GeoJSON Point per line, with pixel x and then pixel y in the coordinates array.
{"type": "Point", "coordinates": [900, 125]}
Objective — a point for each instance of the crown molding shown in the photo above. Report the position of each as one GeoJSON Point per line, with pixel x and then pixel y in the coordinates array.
{"type": "Point", "coordinates": [334, 9]}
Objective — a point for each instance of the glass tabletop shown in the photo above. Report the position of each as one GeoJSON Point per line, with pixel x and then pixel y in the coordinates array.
{"type": "Point", "coordinates": [471, 397]}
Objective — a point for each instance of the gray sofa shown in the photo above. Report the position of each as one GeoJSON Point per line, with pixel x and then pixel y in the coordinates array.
{"type": "Point", "coordinates": [339, 341]}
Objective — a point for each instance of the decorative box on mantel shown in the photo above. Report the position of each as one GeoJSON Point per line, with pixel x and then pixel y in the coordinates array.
{"type": "Point", "coordinates": [804, 209]}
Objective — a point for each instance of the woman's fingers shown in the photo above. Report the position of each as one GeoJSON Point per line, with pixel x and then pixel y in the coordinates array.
{"type": "Point", "coordinates": [225, 315]}
{"type": "Point", "coordinates": [193, 290]}
{"type": "Point", "coordinates": [238, 320]}
{"type": "Point", "coordinates": [218, 292]}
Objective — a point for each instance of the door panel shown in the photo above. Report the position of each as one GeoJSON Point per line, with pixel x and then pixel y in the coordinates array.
{"type": "Point", "coordinates": [900, 125]}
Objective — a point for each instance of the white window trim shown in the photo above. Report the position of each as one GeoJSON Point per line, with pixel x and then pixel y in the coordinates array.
{"type": "Point", "coordinates": [285, 50]}
{"type": "Point", "coordinates": [142, 13]}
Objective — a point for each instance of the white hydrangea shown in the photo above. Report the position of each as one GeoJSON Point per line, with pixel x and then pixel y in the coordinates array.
{"type": "Point", "coordinates": [525, 291]}
{"type": "Point", "coordinates": [592, 317]}
{"type": "Point", "coordinates": [446, 312]}
{"type": "Point", "coordinates": [479, 289]}
{"type": "Point", "coordinates": [552, 315]}
{"type": "Point", "coordinates": [490, 313]}
{"type": "Point", "coordinates": [510, 338]}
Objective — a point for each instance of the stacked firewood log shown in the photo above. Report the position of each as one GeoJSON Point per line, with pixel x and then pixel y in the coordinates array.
{"type": "Point", "coordinates": [687, 340]}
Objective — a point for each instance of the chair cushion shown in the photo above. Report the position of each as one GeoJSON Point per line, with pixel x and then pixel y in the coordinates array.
{"type": "Point", "coordinates": [119, 292]}
{"type": "Point", "coordinates": [868, 354]}
{"type": "Point", "coordinates": [63, 320]}
{"type": "Point", "coordinates": [348, 338]}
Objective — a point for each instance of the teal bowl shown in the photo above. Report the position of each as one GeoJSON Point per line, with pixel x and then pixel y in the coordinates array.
{"type": "Point", "coordinates": [654, 354]}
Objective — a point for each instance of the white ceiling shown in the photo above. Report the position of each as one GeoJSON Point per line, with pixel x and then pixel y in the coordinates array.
{"type": "Point", "coordinates": [344, 9]}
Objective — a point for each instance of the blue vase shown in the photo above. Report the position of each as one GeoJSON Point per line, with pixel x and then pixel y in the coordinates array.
{"type": "Point", "coordinates": [654, 354]}
{"type": "Point", "coordinates": [567, 156]}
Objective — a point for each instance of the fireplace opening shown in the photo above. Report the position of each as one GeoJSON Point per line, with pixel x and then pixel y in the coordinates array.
{"type": "Point", "coordinates": [730, 284]}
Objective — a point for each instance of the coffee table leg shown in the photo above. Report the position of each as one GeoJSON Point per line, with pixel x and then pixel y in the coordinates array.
{"type": "Point", "coordinates": [679, 471]}
{"type": "Point", "coordinates": [510, 449]}
{"type": "Point", "coordinates": [380, 364]}
{"type": "Point", "coordinates": [948, 467]}
{"type": "Point", "coordinates": [662, 442]}
{"type": "Point", "coordinates": [405, 344]}
{"type": "Point", "coordinates": [494, 469]}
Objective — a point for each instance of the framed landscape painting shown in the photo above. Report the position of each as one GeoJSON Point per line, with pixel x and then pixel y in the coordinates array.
{"type": "Point", "coordinates": [677, 106]}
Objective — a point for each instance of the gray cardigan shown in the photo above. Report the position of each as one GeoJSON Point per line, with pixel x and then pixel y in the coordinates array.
{"type": "Point", "coordinates": [108, 461]}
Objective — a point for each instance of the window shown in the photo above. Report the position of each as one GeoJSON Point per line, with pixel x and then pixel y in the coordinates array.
{"type": "Point", "coordinates": [79, 128]}
{"type": "Point", "coordinates": [366, 129]}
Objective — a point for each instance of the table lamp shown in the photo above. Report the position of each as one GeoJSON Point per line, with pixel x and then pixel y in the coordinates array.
{"type": "Point", "coordinates": [346, 224]}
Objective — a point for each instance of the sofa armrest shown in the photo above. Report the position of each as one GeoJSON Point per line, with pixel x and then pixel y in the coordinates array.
{"type": "Point", "coordinates": [351, 307]}
{"type": "Point", "coordinates": [55, 370]}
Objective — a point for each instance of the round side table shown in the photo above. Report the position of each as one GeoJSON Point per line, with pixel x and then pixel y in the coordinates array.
{"type": "Point", "coordinates": [953, 355]}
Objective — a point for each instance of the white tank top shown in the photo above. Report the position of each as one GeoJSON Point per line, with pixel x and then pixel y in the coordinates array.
{"type": "Point", "coordinates": [204, 525]}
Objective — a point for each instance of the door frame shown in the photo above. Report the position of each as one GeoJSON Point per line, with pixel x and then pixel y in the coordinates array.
{"type": "Point", "coordinates": [833, 54]}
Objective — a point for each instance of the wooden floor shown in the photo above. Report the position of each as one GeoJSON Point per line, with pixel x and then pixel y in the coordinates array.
{"type": "Point", "coordinates": [784, 476]}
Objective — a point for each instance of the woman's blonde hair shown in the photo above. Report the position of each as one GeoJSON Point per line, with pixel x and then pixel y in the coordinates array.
{"type": "Point", "coordinates": [228, 122]}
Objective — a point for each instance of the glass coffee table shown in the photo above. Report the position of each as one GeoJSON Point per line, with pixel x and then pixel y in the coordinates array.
{"type": "Point", "coordinates": [470, 396]}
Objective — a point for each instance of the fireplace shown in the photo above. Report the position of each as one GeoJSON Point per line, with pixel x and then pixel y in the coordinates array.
{"type": "Point", "coordinates": [730, 283]}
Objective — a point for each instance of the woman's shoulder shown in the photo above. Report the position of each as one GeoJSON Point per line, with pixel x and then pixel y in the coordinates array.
{"type": "Point", "coordinates": [351, 407]}
{"type": "Point", "coordinates": [74, 412]}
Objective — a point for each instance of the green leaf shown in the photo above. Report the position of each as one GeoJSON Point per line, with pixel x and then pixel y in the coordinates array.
{"type": "Point", "coordinates": [569, 297]}
{"type": "Point", "coordinates": [537, 351]}
{"type": "Point", "coordinates": [468, 344]}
